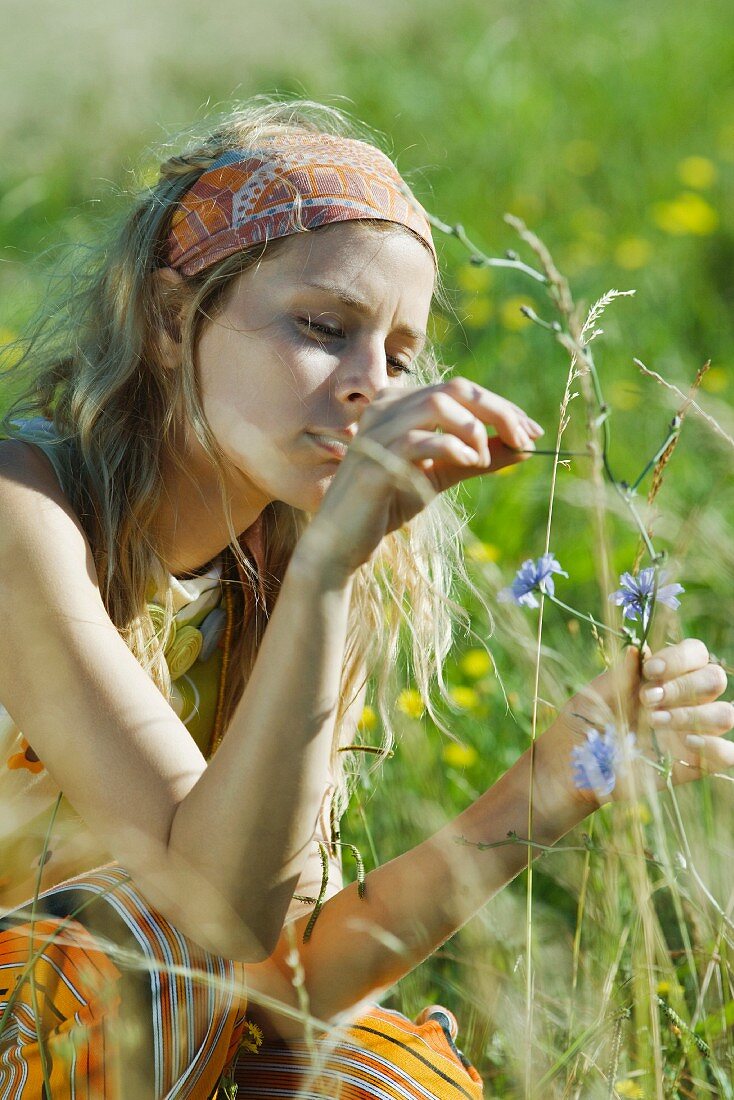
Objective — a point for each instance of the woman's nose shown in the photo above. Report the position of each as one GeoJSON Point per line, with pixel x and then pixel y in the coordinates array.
{"type": "Point", "coordinates": [362, 374]}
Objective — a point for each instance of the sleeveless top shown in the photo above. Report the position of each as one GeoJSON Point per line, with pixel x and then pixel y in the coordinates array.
{"type": "Point", "coordinates": [28, 794]}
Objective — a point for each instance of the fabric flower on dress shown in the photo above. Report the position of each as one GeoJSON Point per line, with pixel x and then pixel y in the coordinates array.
{"type": "Point", "coordinates": [184, 650]}
{"type": "Point", "coordinates": [531, 577]}
{"type": "Point", "coordinates": [26, 758]}
{"type": "Point", "coordinates": [638, 594]}
{"type": "Point", "coordinates": [595, 762]}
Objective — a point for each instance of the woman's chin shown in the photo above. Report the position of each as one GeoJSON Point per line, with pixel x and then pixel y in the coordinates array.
{"type": "Point", "coordinates": [310, 497]}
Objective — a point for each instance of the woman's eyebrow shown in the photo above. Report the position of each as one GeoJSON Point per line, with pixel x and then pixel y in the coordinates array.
{"type": "Point", "coordinates": [359, 305]}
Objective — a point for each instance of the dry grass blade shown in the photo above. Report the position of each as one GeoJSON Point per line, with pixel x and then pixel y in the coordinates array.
{"type": "Point", "coordinates": [712, 423]}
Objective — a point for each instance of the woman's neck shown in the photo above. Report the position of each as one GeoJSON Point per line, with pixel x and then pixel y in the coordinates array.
{"type": "Point", "coordinates": [190, 525]}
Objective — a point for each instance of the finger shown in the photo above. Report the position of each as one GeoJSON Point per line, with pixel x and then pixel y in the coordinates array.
{"type": "Point", "coordinates": [436, 409]}
{"type": "Point", "coordinates": [502, 456]}
{"type": "Point", "coordinates": [710, 754]}
{"type": "Point", "coordinates": [702, 686]}
{"type": "Point", "coordinates": [710, 718]}
{"type": "Point", "coordinates": [418, 446]}
{"type": "Point", "coordinates": [505, 417]}
{"type": "Point", "coordinates": [444, 476]}
{"type": "Point", "coordinates": [533, 428]}
{"type": "Point", "coordinates": [676, 660]}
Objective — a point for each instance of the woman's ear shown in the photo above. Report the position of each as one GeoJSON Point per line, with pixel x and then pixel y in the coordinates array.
{"type": "Point", "coordinates": [169, 275]}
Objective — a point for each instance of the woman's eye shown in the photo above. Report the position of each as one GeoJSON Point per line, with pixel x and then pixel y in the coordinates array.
{"type": "Point", "coordinates": [319, 330]}
{"type": "Point", "coordinates": [398, 365]}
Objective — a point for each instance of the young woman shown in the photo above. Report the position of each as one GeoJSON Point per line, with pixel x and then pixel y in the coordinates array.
{"type": "Point", "coordinates": [234, 424]}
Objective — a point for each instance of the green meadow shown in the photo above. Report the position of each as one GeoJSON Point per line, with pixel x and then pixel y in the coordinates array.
{"type": "Point", "coordinates": [609, 129]}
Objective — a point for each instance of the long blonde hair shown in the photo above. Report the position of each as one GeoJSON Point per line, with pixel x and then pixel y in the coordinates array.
{"type": "Point", "coordinates": [98, 367]}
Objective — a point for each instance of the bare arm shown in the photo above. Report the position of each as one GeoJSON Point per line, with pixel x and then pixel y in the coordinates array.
{"type": "Point", "coordinates": [359, 947]}
{"type": "Point", "coordinates": [217, 849]}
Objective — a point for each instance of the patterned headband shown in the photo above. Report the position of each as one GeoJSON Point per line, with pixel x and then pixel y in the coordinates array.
{"type": "Point", "coordinates": [290, 183]}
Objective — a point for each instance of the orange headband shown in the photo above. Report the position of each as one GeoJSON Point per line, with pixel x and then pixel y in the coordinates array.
{"type": "Point", "coordinates": [289, 184]}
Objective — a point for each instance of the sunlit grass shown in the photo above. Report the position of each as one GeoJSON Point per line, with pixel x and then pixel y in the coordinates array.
{"type": "Point", "coordinates": [539, 112]}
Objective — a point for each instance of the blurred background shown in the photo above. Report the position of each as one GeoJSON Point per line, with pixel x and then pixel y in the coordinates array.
{"type": "Point", "coordinates": [609, 128]}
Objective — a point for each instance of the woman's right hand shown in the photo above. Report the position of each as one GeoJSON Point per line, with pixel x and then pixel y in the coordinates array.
{"type": "Point", "coordinates": [411, 445]}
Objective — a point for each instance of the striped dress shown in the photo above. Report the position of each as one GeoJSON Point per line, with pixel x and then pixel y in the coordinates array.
{"type": "Point", "coordinates": [102, 998]}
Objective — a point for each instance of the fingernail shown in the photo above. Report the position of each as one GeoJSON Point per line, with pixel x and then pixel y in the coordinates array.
{"type": "Point", "coordinates": [660, 718]}
{"type": "Point", "coordinates": [652, 695]}
{"type": "Point", "coordinates": [695, 741]}
{"type": "Point", "coordinates": [536, 427]}
{"type": "Point", "coordinates": [653, 669]}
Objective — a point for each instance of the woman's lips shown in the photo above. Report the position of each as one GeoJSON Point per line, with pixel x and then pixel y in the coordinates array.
{"type": "Point", "coordinates": [334, 447]}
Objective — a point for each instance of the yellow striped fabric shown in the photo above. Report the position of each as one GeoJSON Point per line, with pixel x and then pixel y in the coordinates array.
{"type": "Point", "coordinates": [102, 998]}
{"type": "Point", "coordinates": [381, 1056]}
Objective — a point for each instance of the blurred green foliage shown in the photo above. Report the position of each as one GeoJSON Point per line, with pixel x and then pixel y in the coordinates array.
{"type": "Point", "coordinates": [608, 128]}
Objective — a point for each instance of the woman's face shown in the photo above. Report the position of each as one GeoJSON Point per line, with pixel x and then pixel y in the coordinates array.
{"type": "Point", "coordinates": [299, 348]}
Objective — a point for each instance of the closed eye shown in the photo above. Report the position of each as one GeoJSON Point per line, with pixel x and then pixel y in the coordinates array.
{"type": "Point", "coordinates": [314, 326]}
{"type": "Point", "coordinates": [319, 330]}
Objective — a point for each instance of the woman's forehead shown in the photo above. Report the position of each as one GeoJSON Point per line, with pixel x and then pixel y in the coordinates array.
{"type": "Point", "coordinates": [347, 255]}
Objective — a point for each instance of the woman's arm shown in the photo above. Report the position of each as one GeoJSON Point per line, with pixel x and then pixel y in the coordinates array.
{"type": "Point", "coordinates": [218, 849]}
{"type": "Point", "coordinates": [358, 947]}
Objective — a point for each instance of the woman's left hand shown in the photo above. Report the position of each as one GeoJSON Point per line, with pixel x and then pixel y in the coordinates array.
{"type": "Point", "coordinates": [673, 706]}
{"type": "Point", "coordinates": [680, 696]}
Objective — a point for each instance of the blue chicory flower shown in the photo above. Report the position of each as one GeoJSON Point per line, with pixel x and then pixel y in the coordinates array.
{"type": "Point", "coordinates": [638, 593]}
{"type": "Point", "coordinates": [595, 761]}
{"type": "Point", "coordinates": [532, 576]}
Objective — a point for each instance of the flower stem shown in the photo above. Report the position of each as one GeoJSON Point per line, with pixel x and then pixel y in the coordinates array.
{"type": "Point", "coordinates": [672, 434]}
{"type": "Point", "coordinates": [586, 618]}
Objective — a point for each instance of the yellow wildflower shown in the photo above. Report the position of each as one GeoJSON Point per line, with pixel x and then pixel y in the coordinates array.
{"type": "Point", "coordinates": [715, 380]}
{"type": "Point", "coordinates": [252, 1037]}
{"type": "Point", "coordinates": [410, 702]}
{"type": "Point", "coordinates": [629, 1089]}
{"type": "Point", "coordinates": [668, 989]}
{"type": "Point", "coordinates": [698, 172]}
{"type": "Point", "coordinates": [465, 697]}
{"type": "Point", "coordinates": [459, 756]}
{"type": "Point", "coordinates": [688, 213]}
{"type": "Point", "coordinates": [476, 663]}
{"type": "Point", "coordinates": [368, 719]}
{"type": "Point", "coordinates": [632, 253]}
{"type": "Point", "coordinates": [510, 314]}
{"type": "Point", "coordinates": [482, 551]}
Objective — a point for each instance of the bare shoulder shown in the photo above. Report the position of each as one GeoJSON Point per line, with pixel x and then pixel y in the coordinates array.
{"type": "Point", "coordinates": [94, 717]}
{"type": "Point", "coordinates": [39, 529]}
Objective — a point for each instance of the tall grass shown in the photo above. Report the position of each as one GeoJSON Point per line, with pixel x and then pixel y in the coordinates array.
{"type": "Point", "coordinates": [609, 129]}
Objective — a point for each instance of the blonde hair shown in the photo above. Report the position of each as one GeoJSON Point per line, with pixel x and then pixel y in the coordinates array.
{"type": "Point", "coordinates": [99, 368]}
